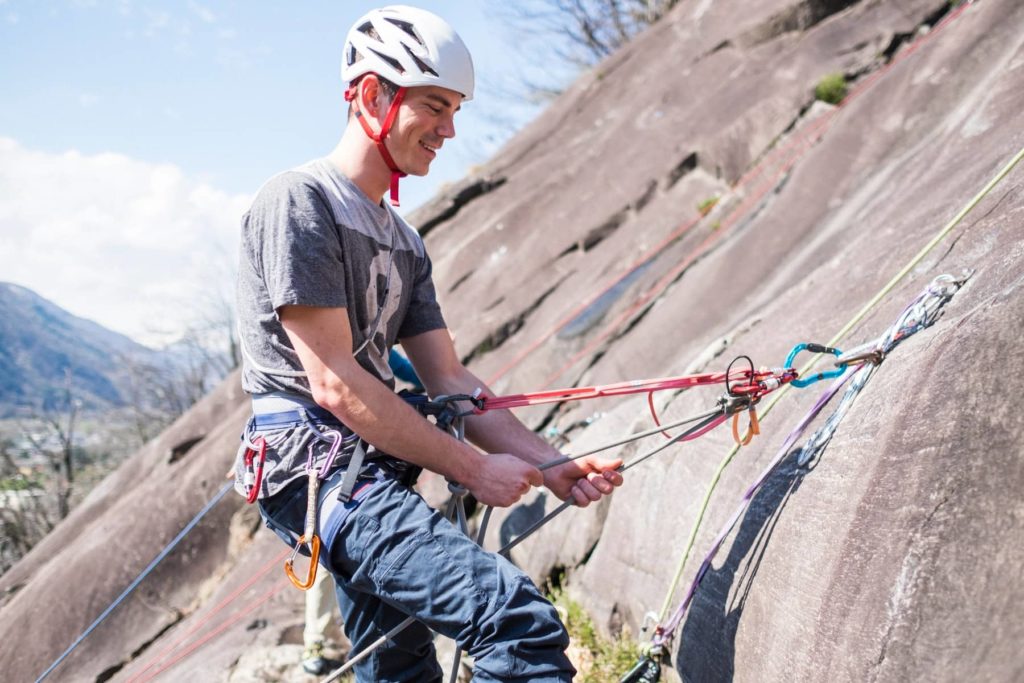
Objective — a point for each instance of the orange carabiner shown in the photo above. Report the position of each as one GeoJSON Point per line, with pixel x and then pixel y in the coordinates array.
{"type": "Point", "coordinates": [314, 556]}
{"type": "Point", "coordinates": [753, 427]}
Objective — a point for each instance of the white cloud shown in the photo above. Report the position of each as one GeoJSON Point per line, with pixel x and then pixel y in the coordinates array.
{"type": "Point", "coordinates": [203, 12]}
{"type": "Point", "coordinates": [135, 246]}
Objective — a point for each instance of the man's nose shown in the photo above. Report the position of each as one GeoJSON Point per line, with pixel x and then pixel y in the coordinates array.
{"type": "Point", "coordinates": [446, 128]}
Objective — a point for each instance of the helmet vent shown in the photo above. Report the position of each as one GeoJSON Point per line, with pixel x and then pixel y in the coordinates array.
{"type": "Point", "coordinates": [353, 56]}
{"type": "Point", "coordinates": [390, 61]}
{"type": "Point", "coordinates": [368, 29]}
{"type": "Point", "coordinates": [407, 27]}
{"type": "Point", "coordinates": [420, 63]}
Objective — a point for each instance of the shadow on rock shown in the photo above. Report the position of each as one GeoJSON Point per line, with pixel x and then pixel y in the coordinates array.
{"type": "Point", "coordinates": [707, 644]}
{"type": "Point", "coordinates": [521, 518]}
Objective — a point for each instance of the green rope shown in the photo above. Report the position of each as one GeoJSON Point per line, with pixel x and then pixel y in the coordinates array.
{"type": "Point", "coordinates": [814, 359]}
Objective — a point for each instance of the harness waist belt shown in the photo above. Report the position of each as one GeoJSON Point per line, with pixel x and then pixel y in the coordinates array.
{"type": "Point", "coordinates": [294, 417]}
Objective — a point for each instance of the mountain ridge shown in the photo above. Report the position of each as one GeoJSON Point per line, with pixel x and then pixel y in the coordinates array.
{"type": "Point", "coordinates": [42, 342]}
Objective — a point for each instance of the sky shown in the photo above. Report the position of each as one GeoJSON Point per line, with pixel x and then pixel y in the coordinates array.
{"type": "Point", "coordinates": [133, 134]}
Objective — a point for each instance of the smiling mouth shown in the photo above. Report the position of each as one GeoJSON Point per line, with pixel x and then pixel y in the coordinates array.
{"type": "Point", "coordinates": [429, 148]}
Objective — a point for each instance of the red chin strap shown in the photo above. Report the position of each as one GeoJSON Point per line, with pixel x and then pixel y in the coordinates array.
{"type": "Point", "coordinates": [396, 173]}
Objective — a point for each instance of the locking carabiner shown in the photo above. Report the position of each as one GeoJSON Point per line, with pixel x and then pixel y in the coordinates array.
{"type": "Point", "coordinates": [254, 475]}
{"type": "Point", "coordinates": [800, 383]}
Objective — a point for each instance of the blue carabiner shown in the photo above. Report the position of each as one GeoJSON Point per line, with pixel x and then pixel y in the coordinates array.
{"type": "Point", "coordinates": [817, 377]}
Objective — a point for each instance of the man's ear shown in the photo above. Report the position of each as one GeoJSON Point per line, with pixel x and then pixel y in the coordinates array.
{"type": "Point", "coordinates": [370, 94]}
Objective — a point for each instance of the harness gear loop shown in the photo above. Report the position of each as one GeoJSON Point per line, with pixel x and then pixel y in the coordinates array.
{"type": "Point", "coordinates": [378, 138]}
{"type": "Point", "coordinates": [753, 427]}
{"type": "Point", "coordinates": [254, 475]}
{"type": "Point", "coordinates": [817, 377]}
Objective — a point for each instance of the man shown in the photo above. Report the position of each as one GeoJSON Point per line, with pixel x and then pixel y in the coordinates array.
{"type": "Point", "coordinates": [330, 278]}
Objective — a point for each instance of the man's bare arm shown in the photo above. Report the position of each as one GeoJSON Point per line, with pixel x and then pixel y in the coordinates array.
{"type": "Point", "coordinates": [499, 431]}
{"type": "Point", "coordinates": [322, 339]}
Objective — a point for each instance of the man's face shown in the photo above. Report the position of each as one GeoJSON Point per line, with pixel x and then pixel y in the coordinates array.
{"type": "Point", "coordinates": [425, 120]}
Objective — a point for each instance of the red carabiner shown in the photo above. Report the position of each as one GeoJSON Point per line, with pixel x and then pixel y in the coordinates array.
{"type": "Point", "coordinates": [254, 476]}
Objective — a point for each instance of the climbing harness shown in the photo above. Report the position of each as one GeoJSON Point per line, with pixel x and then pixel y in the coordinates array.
{"type": "Point", "coordinates": [922, 312]}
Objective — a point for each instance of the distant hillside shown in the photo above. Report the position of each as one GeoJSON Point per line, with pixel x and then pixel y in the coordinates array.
{"type": "Point", "coordinates": [41, 341]}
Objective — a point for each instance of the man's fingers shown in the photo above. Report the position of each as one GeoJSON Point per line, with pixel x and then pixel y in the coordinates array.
{"type": "Point", "coordinates": [580, 497]}
{"type": "Point", "coordinates": [613, 477]}
{"type": "Point", "coordinates": [600, 483]}
{"type": "Point", "coordinates": [536, 477]}
{"type": "Point", "coordinates": [588, 489]}
{"type": "Point", "coordinates": [610, 464]}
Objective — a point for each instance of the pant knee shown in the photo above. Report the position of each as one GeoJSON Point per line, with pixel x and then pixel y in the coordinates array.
{"type": "Point", "coordinates": [522, 639]}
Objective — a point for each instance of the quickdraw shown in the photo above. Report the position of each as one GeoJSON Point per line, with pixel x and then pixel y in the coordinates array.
{"type": "Point", "coordinates": [314, 476]}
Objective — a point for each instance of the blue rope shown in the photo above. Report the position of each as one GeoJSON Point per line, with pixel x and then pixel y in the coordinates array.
{"type": "Point", "coordinates": [145, 572]}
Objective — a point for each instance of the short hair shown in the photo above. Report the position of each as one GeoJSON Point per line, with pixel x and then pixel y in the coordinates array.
{"type": "Point", "coordinates": [387, 87]}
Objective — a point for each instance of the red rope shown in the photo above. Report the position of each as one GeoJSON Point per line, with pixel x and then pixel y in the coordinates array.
{"type": "Point", "coordinates": [640, 386]}
{"type": "Point", "coordinates": [137, 676]}
{"type": "Point", "coordinates": [238, 616]}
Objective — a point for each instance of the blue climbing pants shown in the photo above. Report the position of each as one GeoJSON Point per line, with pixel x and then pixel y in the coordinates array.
{"type": "Point", "coordinates": [393, 556]}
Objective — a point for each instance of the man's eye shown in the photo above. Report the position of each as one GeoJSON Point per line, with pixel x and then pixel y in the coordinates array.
{"type": "Point", "coordinates": [434, 110]}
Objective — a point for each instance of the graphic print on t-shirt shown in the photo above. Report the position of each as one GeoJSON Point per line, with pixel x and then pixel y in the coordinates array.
{"type": "Point", "coordinates": [377, 349]}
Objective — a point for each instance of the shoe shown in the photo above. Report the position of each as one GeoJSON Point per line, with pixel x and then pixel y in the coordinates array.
{"type": "Point", "coordinates": [313, 661]}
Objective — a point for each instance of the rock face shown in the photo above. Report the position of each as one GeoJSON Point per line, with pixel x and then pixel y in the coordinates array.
{"type": "Point", "coordinates": [898, 556]}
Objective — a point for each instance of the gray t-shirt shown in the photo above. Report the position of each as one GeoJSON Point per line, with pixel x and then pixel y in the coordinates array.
{"type": "Point", "coordinates": [312, 238]}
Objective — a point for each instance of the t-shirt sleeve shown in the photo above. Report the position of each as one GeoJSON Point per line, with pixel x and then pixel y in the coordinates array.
{"type": "Point", "coordinates": [299, 245]}
{"type": "Point", "coordinates": [424, 311]}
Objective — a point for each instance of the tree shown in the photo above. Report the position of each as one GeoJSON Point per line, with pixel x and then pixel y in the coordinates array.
{"type": "Point", "coordinates": [576, 33]}
{"type": "Point", "coordinates": [24, 518]}
{"type": "Point", "coordinates": [57, 442]}
{"type": "Point", "coordinates": [26, 514]}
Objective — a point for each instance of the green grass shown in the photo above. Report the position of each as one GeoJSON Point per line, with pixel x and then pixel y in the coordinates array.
{"type": "Point", "coordinates": [18, 484]}
{"type": "Point", "coordinates": [831, 88]}
{"type": "Point", "coordinates": [705, 206]}
{"type": "Point", "coordinates": [608, 660]}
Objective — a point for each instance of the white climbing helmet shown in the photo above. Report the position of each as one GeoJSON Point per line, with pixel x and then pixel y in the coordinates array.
{"type": "Point", "coordinates": [409, 47]}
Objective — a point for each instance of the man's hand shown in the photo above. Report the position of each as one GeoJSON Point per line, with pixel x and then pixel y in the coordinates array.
{"type": "Point", "coordinates": [584, 480]}
{"type": "Point", "coordinates": [503, 479]}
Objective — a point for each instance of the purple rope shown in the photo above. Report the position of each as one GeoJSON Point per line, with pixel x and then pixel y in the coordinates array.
{"type": "Point", "coordinates": [665, 634]}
